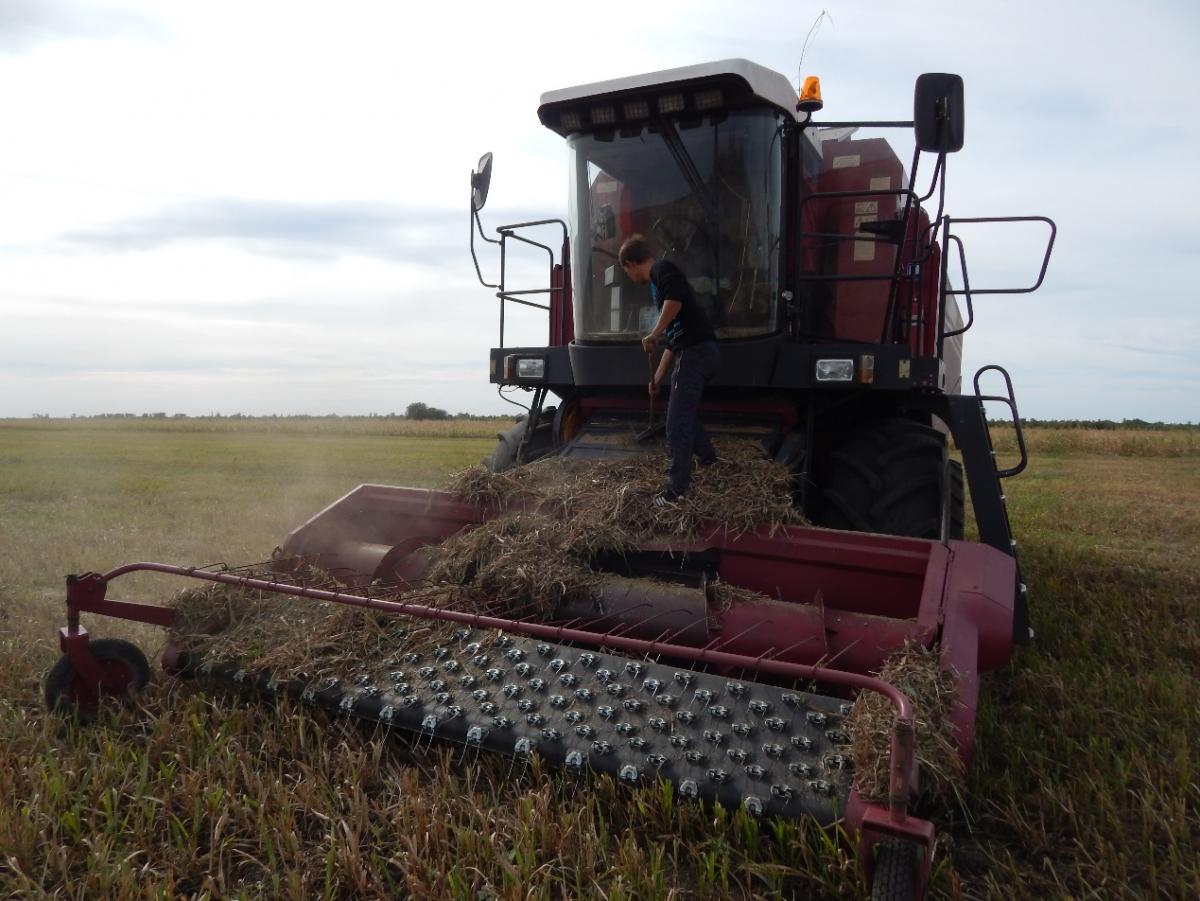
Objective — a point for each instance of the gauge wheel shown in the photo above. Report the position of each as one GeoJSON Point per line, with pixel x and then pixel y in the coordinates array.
{"type": "Point", "coordinates": [125, 672]}
{"type": "Point", "coordinates": [895, 871]}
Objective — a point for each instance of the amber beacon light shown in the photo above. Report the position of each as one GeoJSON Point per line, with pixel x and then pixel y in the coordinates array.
{"type": "Point", "coordinates": [810, 96]}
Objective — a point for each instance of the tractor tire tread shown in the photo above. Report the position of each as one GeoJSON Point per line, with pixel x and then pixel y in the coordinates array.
{"type": "Point", "coordinates": [892, 477]}
{"type": "Point", "coordinates": [895, 871]}
{"type": "Point", "coordinates": [848, 510]}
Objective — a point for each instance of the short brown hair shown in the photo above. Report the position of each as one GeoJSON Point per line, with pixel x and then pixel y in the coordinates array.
{"type": "Point", "coordinates": [635, 249]}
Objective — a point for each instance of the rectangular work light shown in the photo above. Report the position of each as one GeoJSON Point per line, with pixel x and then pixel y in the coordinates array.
{"type": "Point", "coordinates": [531, 368]}
{"type": "Point", "coordinates": [835, 370]}
{"type": "Point", "coordinates": [636, 109]}
{"type": "Point", "coordinates": [518, 368]}
{"type": "Point", "coordinates": [670, 103]}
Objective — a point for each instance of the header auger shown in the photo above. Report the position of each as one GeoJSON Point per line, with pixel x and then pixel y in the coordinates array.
{"type": "Point", "coordinates": [827, 280]}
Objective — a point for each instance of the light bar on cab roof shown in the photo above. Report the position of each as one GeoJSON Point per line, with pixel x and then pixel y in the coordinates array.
{"type": "Point", "coordinates": [670, 103]}
{"type": "Point", "coordinates": [636, 109]}
{"type": "Point", "coordinates": [699, 89]}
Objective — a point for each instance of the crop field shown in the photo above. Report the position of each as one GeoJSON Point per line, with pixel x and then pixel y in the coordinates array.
{"type": "Point", "coordinates": [1086, 782]}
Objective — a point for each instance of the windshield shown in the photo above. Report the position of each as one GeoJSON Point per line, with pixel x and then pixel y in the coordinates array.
{"type": "Point", "coordinates": [707, 195]}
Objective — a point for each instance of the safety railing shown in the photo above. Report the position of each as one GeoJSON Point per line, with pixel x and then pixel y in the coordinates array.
{"type": "Point", "coordinates": [966, 291]}
{"type": "Point", "coordinates": [1010, 401]}
{"type": "Point", "coordinates": [503, 292]}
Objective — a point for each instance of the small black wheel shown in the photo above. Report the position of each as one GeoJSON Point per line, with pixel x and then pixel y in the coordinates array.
{"type": "Point", "coordinates": [895, 871]}
{"type": "Point", "coordinates": [125, 672]}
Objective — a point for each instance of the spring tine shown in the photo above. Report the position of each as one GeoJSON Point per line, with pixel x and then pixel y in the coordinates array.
{"type": "Point", "coordinates": [833, 659]}
{"type": "Point", "coordinates": [720, 642]}
{"type": "Point", "coordinates": [793, 646]}
{"type": "Point", "coordinates": [627, 627]}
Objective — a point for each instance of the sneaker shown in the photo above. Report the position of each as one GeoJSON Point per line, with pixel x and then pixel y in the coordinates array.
{"type": "Point", "coordinates": [704, 464]}
{"type": "Point", "coordinates": [666, 498]}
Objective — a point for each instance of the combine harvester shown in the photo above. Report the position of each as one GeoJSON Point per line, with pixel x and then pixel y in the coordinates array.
{"type": "Point", "coordinates": [824, 269]}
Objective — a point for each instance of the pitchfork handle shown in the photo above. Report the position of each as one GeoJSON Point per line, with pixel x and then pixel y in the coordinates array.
{"type": "Point", "coordinates": [650, 367]}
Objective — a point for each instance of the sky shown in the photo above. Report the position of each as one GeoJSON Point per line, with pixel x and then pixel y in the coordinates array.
{"type": "Point", "coordinates": [262, 207]}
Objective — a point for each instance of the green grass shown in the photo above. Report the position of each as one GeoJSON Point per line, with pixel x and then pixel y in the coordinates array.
{"type": "Point", "coordinates": [1085, 782]}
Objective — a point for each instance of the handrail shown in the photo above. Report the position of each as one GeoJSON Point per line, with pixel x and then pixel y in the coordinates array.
{"type": "Point", "coordinates": [504, 294]}
{"type": "Point", "coordinates": [86, 591]}
{"type": "Point", "coordinates": [1011, 402]}
{"type": "Point", "coordinates": [967, 291]}
{"type": "Point", "coordinates": [1045, 258]}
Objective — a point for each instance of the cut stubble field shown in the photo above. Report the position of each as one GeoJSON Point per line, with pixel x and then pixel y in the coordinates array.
{"type": "Point", "coordinates": [1086, 782]}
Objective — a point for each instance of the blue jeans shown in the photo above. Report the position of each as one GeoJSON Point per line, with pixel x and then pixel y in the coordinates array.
{"type": "Point", "coordinates": [695, 367]}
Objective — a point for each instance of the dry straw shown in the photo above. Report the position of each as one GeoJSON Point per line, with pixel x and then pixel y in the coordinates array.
{"type": "Point", "coordinates": [555, 517]}
{"type": "Point", "coordinates": [549, 522]}
{"type": "Point", "coordinates": [915, 671]}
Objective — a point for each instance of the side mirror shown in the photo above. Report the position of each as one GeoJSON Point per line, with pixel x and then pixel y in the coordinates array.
{"type": "Point", "coordinates": [938, 112]}
{"type": "Point", "coordinates": [481, 180]}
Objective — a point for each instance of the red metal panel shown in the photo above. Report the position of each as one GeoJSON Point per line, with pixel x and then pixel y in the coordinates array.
{"type": "Point", "coordinates": [562, 320]}
{"type": "Point", "coordinates": [880, 575]}
{"type": "Point", "coordinates": [977, 632]}
{"type": "Point", "coordinates": [356, 533]}
{"type": "Point", "coordinates": [857, 308]}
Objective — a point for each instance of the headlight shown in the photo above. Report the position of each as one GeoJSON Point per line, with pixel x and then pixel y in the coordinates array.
{"type": "Point", "coordinates": [531, 368]}
{"type": "Point", "coordinates": [835, 370]}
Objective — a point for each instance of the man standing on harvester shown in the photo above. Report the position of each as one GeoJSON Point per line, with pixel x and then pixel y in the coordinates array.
{"type": "Point", "coordinates": [691, 345]}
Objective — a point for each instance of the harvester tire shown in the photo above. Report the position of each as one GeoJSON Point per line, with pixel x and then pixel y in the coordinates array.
{"type": "Point", "coordinates": [123, 663]}
{"type": "Point", "coordinates": [894, 477]}
{"type": "Point", "coordinates": [895, 871]}
{"type": "Point", "coordinates": [508, 444]}
{"type": "Point", "coordinates": [956, 517]}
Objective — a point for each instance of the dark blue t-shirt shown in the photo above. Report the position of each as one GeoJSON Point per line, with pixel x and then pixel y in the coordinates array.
{"type": "Point", "coordinates": [690, 326]}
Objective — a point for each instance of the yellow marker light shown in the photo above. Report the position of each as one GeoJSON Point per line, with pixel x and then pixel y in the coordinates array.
{"type": "Point", "coordinates": [810, 96]}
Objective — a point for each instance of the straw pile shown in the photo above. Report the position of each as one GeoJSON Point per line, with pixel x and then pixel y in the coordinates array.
{"type": "Point", "coordinates": [914, 670]}
{"type": "Point", "coordinates": [554, 517]}
{"type": "Point", "coordinates": [298, 637]}
{"type": "Point", "coordinates": [549, 521]}
{"type": "Point", "coordinates": [606, 504]}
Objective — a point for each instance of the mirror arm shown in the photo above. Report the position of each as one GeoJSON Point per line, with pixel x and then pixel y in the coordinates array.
{"type": "Point", "coordinates": [475, 224]}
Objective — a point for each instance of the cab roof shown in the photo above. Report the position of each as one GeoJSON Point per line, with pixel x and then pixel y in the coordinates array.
{"type": "Point", "coordinates": [747, 81]}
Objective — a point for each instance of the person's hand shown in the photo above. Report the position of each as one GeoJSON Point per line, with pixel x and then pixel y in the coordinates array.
{"type": "Point", "coordinates": [653, 388]}
{"type": "Point", "coordinates": [649, 343]}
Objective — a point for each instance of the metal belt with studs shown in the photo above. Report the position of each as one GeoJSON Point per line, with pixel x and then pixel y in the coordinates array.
{"type": "Point", "coordinates": [772, 750]}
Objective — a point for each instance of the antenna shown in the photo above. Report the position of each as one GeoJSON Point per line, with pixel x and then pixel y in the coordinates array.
{"type": "Point", "coordinates": [816, 25]}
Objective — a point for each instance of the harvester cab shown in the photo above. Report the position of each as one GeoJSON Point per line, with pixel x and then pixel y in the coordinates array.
{"type": "Point", "coordinates": [737, 671]}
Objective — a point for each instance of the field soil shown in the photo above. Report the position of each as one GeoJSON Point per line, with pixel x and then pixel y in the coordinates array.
{"type": "Point", "coordinates": [1086, 782]}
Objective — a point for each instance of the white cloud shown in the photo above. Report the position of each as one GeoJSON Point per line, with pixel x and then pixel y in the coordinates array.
{"type": "Point", "coordinates": [196, 200]}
